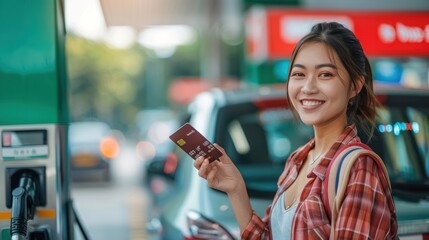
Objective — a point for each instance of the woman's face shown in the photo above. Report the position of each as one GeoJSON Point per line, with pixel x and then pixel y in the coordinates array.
{"type": "Point", "coordinates": [319, 86]}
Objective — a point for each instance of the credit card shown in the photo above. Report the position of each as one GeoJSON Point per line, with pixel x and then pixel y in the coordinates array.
{"type": "Point", "coordinates": [194, 143]}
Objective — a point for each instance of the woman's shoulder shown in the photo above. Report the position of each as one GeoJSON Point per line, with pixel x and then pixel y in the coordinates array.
{"type": "Point", "coordinates": [368, 162]}
{"type": "Point", "coordinates": [363, 156]}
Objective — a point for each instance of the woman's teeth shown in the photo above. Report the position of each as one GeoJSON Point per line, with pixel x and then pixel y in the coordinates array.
{"type": "Point", "coordinates": [311, 103]}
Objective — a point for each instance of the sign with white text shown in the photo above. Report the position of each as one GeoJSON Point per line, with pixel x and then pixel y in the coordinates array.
{"type": "Point", "coordinates": [271, 33]}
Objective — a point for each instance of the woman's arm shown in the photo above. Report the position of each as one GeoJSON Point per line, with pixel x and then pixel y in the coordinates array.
{"type": "Point", "coordinates": [241, 205]}
{"type": "Point", "coordinates": [223, 175]}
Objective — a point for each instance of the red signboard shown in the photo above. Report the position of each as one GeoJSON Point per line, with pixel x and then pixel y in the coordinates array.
{"type": "Point", "coordinates": [272, 33]}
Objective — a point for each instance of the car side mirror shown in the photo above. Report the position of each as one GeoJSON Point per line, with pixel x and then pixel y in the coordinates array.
{"type": "Point", "coordinates": [155, 168]}
{"type": "Point", "coordinates": [164, 168]}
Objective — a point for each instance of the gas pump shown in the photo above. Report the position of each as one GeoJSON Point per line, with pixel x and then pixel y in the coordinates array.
{"type": "Point", "coordinates": [35, 200]}
{"type": "Point", "coordinates": [31, 161]}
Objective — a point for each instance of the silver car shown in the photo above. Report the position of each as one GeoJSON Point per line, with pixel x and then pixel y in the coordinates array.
{"type": "Point", "coordinates": [258, 131]}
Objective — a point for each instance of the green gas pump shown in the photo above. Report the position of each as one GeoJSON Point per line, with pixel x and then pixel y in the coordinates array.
{"type": "Point", "coordinates": [34, 166]}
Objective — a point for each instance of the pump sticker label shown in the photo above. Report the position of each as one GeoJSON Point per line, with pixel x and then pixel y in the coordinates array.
{"type": "Point", "coordinates": [15, 153]}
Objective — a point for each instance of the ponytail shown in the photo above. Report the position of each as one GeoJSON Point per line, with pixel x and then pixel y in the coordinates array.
{"type": "Point", "coordinates": [362, 107]}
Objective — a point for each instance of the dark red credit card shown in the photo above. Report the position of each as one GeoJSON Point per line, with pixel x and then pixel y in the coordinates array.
{"type": "Point", "coordinates": [194, 143]}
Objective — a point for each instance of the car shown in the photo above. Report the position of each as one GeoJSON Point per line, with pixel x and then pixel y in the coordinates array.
{"type": "Point", "coordinates": [258, 131]}
{"type": "Point", "coordinates": [153, 146]}
{"type": "Point", "coordinates": [92, 146]}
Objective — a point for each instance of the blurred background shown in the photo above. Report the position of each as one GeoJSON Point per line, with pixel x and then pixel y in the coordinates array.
{"type": "Point", "coordinates": [124, 57]}
{"type": "Point", "coordinates": [134, 67]}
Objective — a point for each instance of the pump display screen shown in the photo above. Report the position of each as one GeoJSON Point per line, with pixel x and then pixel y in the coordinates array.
{"type": "Point", "coordinates": [24, 144]}
{"type": "Point", "coordinates": [24, 138]}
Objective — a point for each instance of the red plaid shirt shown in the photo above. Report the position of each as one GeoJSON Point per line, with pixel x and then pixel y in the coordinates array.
{"type": "Point", "coordinates": [367, 212]}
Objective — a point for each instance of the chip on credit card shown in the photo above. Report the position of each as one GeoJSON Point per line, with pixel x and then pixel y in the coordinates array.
{"type": "Point", "coordinates": [194, 143]}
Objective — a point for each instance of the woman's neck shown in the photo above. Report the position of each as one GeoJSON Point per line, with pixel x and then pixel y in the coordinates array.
{"type": "Point", "coordinates": [326, 135]}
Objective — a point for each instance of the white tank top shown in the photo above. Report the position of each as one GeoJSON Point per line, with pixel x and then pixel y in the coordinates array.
{"type": "Point", "coordinates": [281, 219]}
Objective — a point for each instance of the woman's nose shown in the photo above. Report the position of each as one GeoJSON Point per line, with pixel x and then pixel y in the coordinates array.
{"type": "Point", "coordinates": [310, 86]}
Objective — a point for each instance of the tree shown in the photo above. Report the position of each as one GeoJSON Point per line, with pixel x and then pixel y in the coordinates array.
{"type": "Point", "coordinates": [104, 82]}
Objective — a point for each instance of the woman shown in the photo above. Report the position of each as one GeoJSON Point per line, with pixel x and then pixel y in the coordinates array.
{"type": "Point", "coordinates": [329, 87]}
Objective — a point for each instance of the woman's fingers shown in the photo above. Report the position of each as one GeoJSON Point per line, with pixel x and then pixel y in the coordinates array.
{"type": "Point", "coordinates": [224, 158]}
{"type": "Point", "coordinates": [211, 177]}
{"type": "Point", "coordinates": [198, 162]}
{"type": "Point", "coordinates": [210, 171]}
{"type": "Point", "coordinates": [219, 147]}
{"type": "Point", "coordinates": [202, 172]}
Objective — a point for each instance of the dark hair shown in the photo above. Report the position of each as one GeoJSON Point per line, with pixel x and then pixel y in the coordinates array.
{"type": "Point", "coordinates": [361, 108]}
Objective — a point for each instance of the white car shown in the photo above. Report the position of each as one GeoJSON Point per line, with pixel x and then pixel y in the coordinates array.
{"type": "Point", "coordinates": [92, 146]}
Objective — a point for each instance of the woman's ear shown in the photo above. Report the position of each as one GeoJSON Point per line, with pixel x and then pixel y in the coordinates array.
{"type": "Point", "coordinates": [359, 84]}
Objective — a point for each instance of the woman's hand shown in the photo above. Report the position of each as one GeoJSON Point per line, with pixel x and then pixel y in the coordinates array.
{"type": "Point", "coordinates": [222, 175]}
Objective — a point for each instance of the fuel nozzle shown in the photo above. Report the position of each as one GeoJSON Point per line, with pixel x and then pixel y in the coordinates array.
{"type": "Point", "coordinates": [23, 206]}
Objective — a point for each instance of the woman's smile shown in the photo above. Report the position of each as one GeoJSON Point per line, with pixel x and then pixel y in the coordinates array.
{"type": "Point", "coordinates": [311, 104]}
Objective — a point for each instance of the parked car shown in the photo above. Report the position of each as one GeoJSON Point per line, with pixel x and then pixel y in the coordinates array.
{"type": "Point", "coordinates": [258, 131]}
{"type": "Point", "coordinates": [92, 146]}
{"type": "Point", "coordinates": [153, 145]}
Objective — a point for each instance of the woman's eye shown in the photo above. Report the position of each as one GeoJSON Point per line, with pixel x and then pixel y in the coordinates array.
{"type": "Point", "coordinates": [326, 75]}
{"type": "Point", "coordinates": [297, 74]}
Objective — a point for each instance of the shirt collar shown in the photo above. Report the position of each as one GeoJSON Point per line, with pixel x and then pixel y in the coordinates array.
{"type": "Point", "coordinates": [347, 136]}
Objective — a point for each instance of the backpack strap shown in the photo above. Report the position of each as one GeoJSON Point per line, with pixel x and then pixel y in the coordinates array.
{"type": "Point", "coordinates": [338, 173]}
{"type": "Point", "coordinates": [332, 175]}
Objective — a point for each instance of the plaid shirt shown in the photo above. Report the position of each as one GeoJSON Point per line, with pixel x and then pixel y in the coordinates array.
{"type": "Point", "coordinates": [367, 212]}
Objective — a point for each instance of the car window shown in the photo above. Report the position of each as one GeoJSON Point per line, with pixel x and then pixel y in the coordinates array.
{"type": "Point", "coordinates": [402, 140]}
{"type": "Point", "coordinates": [420, 121]}
{"type": "Point", "coordinates": [259, 141]}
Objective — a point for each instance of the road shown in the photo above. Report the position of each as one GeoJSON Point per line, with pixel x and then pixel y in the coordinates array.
{"type": "Point", "coordinates": [114, 210]}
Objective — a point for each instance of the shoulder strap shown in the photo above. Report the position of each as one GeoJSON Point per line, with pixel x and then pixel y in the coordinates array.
{"type": "Point", "coordinates": [338, 173]}
{"type": "Point", "coordinates": [332, 174]}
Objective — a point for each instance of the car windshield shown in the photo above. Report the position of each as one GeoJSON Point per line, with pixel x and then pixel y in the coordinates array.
{"type": "Point", "coordinates": [259, 141]}
{"type": "Point", "coordinates": [402, 140]}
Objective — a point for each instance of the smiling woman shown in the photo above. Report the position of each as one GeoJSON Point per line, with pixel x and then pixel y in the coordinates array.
{"type": "Point", "coordinates": [330, 88]}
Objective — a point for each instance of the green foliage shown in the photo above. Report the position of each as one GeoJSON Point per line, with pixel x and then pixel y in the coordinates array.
{"type": "Point", "coordinates": [103, 82]}
{"type": "Point", "coordinates": [115, 84]}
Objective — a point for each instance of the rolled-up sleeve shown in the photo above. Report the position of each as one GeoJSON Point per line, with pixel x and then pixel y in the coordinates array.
{"type": "Point", "coordinates": [366, 212]}
{"type": "Point", "coordinates": [257, 228]}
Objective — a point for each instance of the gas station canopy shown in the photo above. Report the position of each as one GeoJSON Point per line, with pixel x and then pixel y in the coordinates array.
{"type": "Point", "coordinates": [139, 14]}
